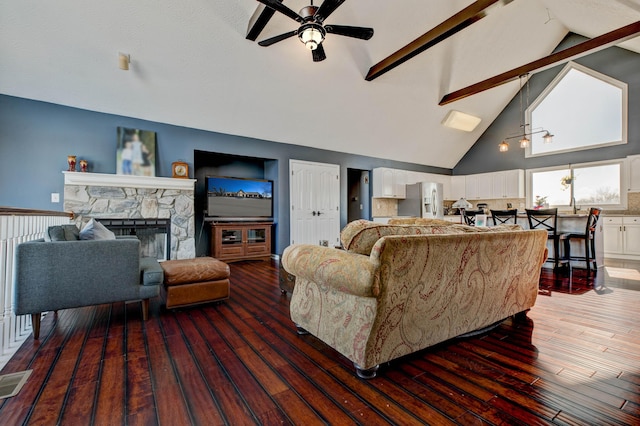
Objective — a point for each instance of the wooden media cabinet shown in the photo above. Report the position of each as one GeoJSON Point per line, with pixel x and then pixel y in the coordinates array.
{"type": "Point", "coordinates": [235, 241]}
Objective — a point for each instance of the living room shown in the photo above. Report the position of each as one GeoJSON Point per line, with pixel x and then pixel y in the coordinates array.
{"type": "Point", "coordinates": [39, 130]}
{"type": "Point", "coordinates": [92, 136]}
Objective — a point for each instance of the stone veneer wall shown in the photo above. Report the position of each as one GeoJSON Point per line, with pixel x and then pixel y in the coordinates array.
{"type": "Point", "coordinates": [125, 202]}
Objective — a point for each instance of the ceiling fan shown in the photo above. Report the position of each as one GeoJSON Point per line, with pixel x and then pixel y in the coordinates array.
{"type": "Point", "coordinates": [312, 30]}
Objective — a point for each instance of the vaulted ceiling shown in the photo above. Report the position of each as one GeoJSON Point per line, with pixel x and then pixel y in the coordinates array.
{"type": "Point", "coordinates": [192, 66]}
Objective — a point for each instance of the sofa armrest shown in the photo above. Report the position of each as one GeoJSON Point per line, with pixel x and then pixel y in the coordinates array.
{"type": "Point", "coordinates": [151, 273]}
{"type": "Point", "coordinates": [347, 272]}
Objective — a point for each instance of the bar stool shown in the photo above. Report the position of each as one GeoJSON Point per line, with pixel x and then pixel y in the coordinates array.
{"type": "Point", "coordinates": [504, 216]}
{"type": "Point", "coordinates": [548, 219]}
{"type": "Point", "coordinates": [589, 237]}
{"type": "Point", "coordinates": [470, 216]}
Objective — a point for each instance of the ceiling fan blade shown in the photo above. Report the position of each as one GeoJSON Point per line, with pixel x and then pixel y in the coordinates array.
{"type": "Point", "coordinates": [258, 21]}
{"type": "Point", "coordinates": [273, 40]}
{"type": "Point", "coordinates": [318, 54]}
{"type": "Point", "coordinates": [276, 5]}
{"type": "Point", "coordinates": [355, 32]}
{"type": "Point", "coordinates": [326, 9]}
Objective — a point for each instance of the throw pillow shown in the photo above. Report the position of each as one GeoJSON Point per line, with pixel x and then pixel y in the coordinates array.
{"type": "Point", "coordinates": [62, 233]}
{"type": "Point", "coordinates": [94, 230]}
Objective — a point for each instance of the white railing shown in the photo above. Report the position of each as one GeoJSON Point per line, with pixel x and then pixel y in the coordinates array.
{"type": "Point", "coordinates": [17, 226]}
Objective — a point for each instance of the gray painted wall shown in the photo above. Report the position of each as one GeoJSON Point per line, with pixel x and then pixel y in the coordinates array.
{"type": "Point", "coordinates": [36, 137]}
{"type": "Point", "coordinates": [618, 63]}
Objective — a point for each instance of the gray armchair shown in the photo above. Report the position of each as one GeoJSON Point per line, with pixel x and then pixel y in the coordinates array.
{"type": "Point", "coordinates": [49, 276]}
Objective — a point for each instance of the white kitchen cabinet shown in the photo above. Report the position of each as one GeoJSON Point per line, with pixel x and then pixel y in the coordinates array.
{"type": "Point", "coordinates": [445, 180]}
{"type": "Point", "coordinates": [415, 177]}
{"type": "Point", "coordinates": [485, 186]}
{"type": "Point", "coordinates": [471, 187]}
{"type": "Point", "coordinates": [621, 236]}
{"type": "Point", "coordinates": [633, 172]}
{"type": "Point", "coordinates": [508, 184]}
{"type": "Point", "coordinates": [478, 186]}
{"type": "Point", "coordinates": [456, 189]}
{"type": "Point", "coordinates": [389, 183]}
{"type": "Point", "coordinates": [612, 234]}
{"type": "Point", "coordinates": [631, 230]}
{"type": "Point", "coordinates": [489, 186]}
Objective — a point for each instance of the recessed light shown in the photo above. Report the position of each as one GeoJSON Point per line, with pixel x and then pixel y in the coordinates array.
{"type": "Point", "coordinates": [461, 121]}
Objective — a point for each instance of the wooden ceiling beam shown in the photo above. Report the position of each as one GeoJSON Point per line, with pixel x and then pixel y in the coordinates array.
{"type": "Point", "coordinates": [585, 48]}
{"type": "Point", "coordinates": [442, 31]}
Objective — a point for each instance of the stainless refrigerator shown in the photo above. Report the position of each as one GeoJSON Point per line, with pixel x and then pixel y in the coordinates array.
{"type": "Point", "coordinates": [424, 199]}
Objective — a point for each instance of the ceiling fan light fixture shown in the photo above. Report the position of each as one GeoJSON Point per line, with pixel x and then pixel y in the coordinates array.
{"type": "Point", "coordinates": [311, 35]}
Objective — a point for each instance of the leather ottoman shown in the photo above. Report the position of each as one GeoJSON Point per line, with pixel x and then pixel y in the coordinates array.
{"type": "Point", "coordinates": [193, 281]}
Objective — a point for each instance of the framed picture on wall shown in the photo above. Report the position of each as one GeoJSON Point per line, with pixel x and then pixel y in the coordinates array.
{"type": "Point", "coordinates": [136, 152]}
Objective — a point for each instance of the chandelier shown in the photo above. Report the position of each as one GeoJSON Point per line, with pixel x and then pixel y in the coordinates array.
{"type": "Point", "coordinates": [525, 136]}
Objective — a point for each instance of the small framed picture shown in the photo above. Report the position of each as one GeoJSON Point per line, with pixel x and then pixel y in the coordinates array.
{"type": "Point", "coordinates": [481, 220]}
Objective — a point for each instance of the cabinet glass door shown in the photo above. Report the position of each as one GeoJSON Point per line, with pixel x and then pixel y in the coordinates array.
{"type": "Point", "coordinates": [256, 235]}
{"type": "Point", "coordinates": [231, 236]}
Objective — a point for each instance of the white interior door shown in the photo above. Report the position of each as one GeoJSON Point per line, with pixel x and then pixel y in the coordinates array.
{"type": "Point", "coordinates": [315, 203]}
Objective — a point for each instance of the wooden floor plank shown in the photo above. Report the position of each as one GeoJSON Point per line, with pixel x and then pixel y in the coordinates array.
{"type": "Point", "coordinates": [575, 360]}
{"type": "Point", "coordinates": [169, 399]}
{"type": "Point", "coordinates": [50, 404]}
{"type": "Point", "coordinates": [110, 401]}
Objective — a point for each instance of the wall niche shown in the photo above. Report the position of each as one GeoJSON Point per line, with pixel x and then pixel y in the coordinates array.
{"type": "Point", "coordinates": [219, 164]}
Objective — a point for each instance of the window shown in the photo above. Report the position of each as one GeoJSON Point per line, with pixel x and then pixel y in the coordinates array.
{"type": "Point", "coordinates": [590, 184]}
{"type": "Point", "coordinates": [583, 109]}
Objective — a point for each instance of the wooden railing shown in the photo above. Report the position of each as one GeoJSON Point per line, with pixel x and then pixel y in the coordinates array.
{"type": "Point", "coordinates": [17, 226]}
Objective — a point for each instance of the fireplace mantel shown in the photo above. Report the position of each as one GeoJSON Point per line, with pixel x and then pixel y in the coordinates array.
{"type": "Point", "coordinates": [127, 181]}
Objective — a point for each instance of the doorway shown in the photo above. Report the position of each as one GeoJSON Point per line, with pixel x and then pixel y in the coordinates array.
{"type": "Point", "coordinates": [315, 203]}
{"type": "Point", "coordinates": [359, 194]}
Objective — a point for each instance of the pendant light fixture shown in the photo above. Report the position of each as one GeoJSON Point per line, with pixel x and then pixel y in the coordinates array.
{"type": "Point", "coordinates": [524, 136]}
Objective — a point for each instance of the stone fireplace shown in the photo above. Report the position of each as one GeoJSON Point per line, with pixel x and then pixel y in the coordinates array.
{"type": "Point", "coordinates": [109, 196]}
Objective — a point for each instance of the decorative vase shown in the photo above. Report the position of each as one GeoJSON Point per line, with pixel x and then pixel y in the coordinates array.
{"type": "Point", "coordinates": [83, 166]}
{"type": "Point", "coordinates": [71, 161]}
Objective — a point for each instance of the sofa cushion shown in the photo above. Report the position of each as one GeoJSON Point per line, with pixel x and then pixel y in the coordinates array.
{"type": "Point", "coordinates": [94, 230]}
{"type": "Point", "coordinates": [361, 235]}
{"type": "Point", "coordinates": [68, 232]}
{"type": "Point", "coordinates": [418, 221]}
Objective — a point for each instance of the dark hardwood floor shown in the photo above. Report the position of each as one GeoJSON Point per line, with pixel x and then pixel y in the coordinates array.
{"type": "Point", "coordinates": [575, 361]}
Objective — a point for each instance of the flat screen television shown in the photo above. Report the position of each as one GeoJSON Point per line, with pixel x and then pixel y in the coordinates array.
{"type": "Point", "coordinates": [239, 199]}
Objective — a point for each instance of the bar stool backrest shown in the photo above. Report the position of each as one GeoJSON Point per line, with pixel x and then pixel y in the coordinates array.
{"type": "Point", "coordinates": [546, 219]}
{"type": "Point", "coordinates": [504, 216]}
{"type": "Point", "coordinates": [592, 221]}
{"type": "Point", "coordinates": [470, 216]}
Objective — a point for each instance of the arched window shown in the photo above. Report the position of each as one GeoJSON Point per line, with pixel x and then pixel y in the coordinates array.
{"type": "Point", "coordinates": [582, 108]}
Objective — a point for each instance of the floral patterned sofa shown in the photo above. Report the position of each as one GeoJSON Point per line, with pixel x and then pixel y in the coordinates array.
{"type": "Point", "coordinates": [397, 289]}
